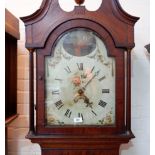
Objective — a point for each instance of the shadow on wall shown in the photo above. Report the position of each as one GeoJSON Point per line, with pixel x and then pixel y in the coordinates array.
{"type": "Point", "coordinates": [125, 147]}
{"type": "Point", "coordinates": [147, 52]}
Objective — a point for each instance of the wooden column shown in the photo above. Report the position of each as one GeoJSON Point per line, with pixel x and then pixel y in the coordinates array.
{"type": "Point", "coordinates": [128, 91]}
{"type": "Point", "coordinates": [31, 91]}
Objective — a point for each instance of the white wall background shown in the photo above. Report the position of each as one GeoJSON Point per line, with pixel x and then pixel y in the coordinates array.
{"type": "Point", "coordinates": [18, 145]}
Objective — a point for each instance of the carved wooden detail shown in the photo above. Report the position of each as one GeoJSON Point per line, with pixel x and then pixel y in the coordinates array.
{"type": "Point", "coordinates": [79, 2]}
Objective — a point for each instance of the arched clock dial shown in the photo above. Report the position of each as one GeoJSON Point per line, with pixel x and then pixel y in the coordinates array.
{"type": "Point", "coordinates": [80, 81]}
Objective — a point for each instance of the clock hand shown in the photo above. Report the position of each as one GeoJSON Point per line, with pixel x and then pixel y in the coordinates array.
{"type": "Point", "coordinates": [88, 103]}
{"type": "Point", "coordinates": [96, 73]}
{"type": "Point", "coordinates": [81, 95]}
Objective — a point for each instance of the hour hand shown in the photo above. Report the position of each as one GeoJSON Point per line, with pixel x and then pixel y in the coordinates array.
{"type": "Point", "coordinates": [88, 103]}
{"type": "Point", "coordinates": [81, 95]}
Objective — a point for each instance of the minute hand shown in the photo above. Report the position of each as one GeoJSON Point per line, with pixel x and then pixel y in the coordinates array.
{"type": "Point", "coordinates": [96, 73]}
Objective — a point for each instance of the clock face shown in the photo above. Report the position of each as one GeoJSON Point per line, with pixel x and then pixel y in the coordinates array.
{"type": "Point", "coordinates": [80, 81]}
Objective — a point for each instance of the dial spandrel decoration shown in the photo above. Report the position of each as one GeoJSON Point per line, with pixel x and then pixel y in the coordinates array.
{"type": "Point", "coordinates": [80, 81]}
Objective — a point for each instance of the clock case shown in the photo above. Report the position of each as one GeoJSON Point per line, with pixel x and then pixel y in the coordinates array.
{"type": "Point", "coordinates": [116, 28]}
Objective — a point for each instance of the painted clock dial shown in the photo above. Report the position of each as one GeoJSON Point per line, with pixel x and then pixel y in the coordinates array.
{"type": "Point", "coordinates": [80, 81]}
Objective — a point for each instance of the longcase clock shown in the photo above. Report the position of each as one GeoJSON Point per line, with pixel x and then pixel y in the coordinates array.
{"type": "Point", "coordinates": [83, 80]}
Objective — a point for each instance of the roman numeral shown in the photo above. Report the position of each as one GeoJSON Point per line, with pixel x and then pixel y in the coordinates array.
{"type": "Point", "coordinates": [97, 73]}
{"type": "Point", "coordinates": [68, 113]}
{"type": "Point", "coordinates": [55, 92]}
{"type": "Point", "coordinates": [83, 76]}
{"type": "Point", "coordinates": [58, 79]}
{"type": "Point", "coordinates": [80, 115]}
{"type": "Point", "coordinates": [80, 66]}
{"type": "Point", "coordinates": [105, 91]}
{"type": "Point", "coordinates": [94, 113]}
{"type": "Point", "coordinates": [92, 69]}
{"type": "Point", "coordinates": [102, 78]}
{"type": "Point", "coordinates": [59, 104]}
{"type": "Point", "coordinates": [102, 103]}
{"type": "Point", "coordinates": [67, 69]}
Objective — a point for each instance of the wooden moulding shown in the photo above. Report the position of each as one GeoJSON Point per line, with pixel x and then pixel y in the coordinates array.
{"type": "Point", "coordinates": [11, 25]}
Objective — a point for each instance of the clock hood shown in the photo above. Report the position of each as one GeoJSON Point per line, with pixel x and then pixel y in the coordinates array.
{"type": "Point", "coordinates": [50, 16]}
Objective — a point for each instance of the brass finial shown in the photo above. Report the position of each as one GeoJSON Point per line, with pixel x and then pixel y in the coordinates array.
{"type": "Point", "coordinates": [79, 2]}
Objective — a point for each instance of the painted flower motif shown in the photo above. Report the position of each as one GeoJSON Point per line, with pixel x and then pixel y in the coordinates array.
{"type": "Point", "coordinates": [56, 60]}
{"type": "Point", "coordinates": [51, 120]}
{"type": "Point", "coordinates": [108, 119]}
{"type": "Point", "coordinates": [101, 121]}
{"type": "Point", "coordinates": [60, 123]}
{"type": "Point", "coordinates": [76, 80]}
